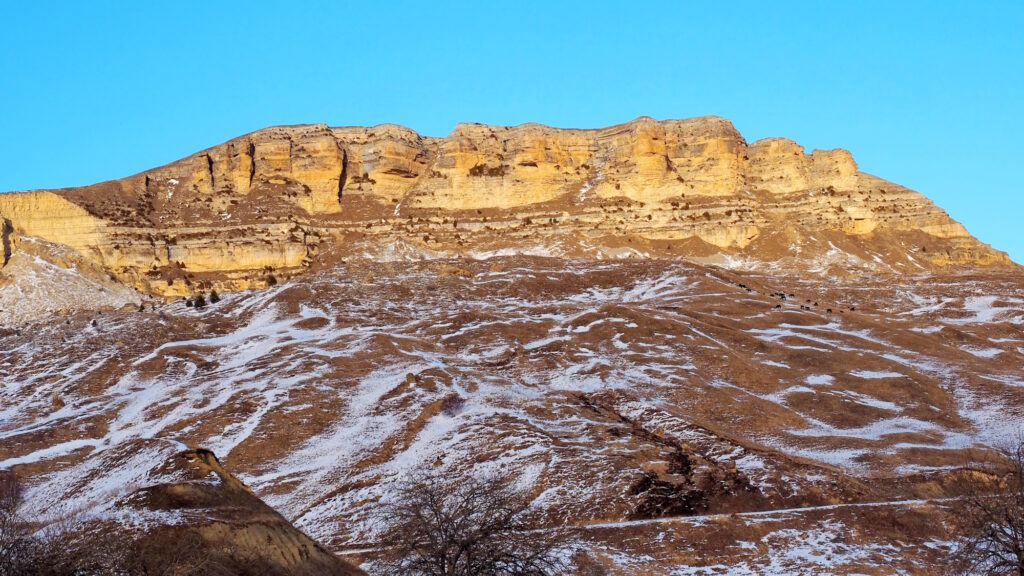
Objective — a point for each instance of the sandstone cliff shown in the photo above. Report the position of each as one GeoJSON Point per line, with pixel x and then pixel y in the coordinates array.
{"type": "Point", "coordinates": [273, 203]}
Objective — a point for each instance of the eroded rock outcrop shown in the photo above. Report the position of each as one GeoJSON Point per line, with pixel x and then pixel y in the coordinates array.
{"type": "Point", "coordinates": [222, 523]}
{"type": "Point", "coordinates": [275, 202]}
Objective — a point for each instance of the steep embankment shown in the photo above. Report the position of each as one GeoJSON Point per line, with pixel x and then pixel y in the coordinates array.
{"type": "Point", "coordinates": [280, 200]}
{"type": "Point", "coordinates": [613, 392]}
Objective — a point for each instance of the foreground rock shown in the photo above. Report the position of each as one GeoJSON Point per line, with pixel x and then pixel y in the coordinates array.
{"type": "Point", "coordinates": [201, 504]}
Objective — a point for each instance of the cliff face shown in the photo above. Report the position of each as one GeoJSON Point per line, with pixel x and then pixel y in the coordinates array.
{"type": "Point", "coordinates": [275, 202]}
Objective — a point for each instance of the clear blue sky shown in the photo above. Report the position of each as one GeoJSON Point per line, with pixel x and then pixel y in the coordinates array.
{"type": "Point", "coordinates": [928, 94]}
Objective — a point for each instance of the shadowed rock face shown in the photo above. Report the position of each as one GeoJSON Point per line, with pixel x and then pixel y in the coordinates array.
{"type": "Point", "coordinates": [284, 199]}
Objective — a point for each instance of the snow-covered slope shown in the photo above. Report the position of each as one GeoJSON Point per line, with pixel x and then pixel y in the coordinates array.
{"type": "Point", "coordinates": [615, 393]}
{"type": "Point", "coordinates": [42, 281]}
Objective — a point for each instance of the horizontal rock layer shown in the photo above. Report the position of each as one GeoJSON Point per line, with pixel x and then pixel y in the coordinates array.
{"type": "Point", "coordinates": [272, 203]}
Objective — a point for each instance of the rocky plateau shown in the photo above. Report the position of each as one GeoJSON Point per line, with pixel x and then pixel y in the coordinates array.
{"type": "Point", "coordinates": [283, 200]}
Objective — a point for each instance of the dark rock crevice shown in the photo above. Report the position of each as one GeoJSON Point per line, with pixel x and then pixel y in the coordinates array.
{"type": "Point", "coordinates": [344, 173]}
{"type": "Point", "coordinates": [692, 482]}
{"type": "Point", "coordinates": [209, 171]}
{"type": "Point", "coordinates": [252, 161]}
{"type": "Point", "coordinates": [7, 231]}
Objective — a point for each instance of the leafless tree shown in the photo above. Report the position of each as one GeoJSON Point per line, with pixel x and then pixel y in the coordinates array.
{"type": "Point", "coordinates": [473, 527]}
{"type": "Point", "coordinates": [991, 516]}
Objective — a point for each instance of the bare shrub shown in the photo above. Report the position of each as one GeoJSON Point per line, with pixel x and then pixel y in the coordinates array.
{"type": "Point", "coordinates": [472, 527]}
{"type": "Point", "coordinates": [64, 547]}
{"type": "Point", "coordinates": [991, 516]}
{"type": "Point", "coordinates": [452, 404]}
{"type": "Point", "coordinates": [17, 546]}
{"type": "Point", "coordinates": [10, 491]}
{"type": "Point", "coordinates": [176, 553]}
{"type": "Point", "coordinates": [71, 546]}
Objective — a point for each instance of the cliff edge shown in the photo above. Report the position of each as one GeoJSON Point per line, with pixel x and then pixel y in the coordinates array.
{"type": "Point", "coordinates": [273, 203]}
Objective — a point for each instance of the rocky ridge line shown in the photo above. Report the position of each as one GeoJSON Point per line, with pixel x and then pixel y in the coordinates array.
{"type": "Point", "coordinates": [273, 203]}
